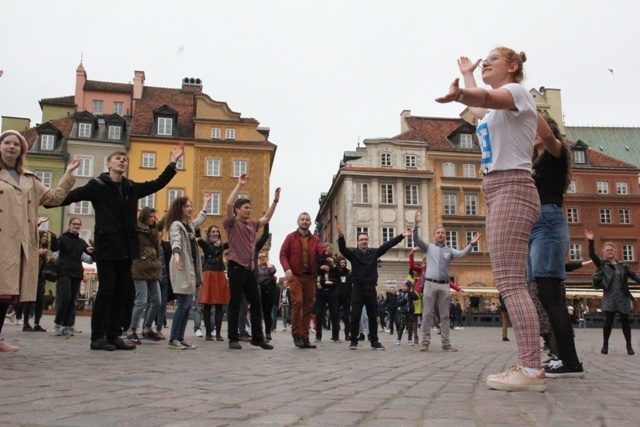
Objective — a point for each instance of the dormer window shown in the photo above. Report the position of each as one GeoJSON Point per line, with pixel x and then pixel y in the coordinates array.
{"type": "Point", "coordinates": [385, 159]}
{"type": "Point", "coordinates": [115, 132]}
{"type": "Point", "coordinates": [84, 130]}
{"type": "Point", "coordinates": [410, 161]}
{"type": "Point", "coordinates": [165, 121]}
{"type": "Point", "coordinates": [466, 141]}
{"type": "Point", "coordinates": [165, 126]}
{"type": "Point", "coordinates": [230, 133]}
{"type": "Point", "coordinates": [579, 157]}
{"type": "Point", "coordinates": [47, 142]}
{"type": "Point", "coordinates": [215, 133]}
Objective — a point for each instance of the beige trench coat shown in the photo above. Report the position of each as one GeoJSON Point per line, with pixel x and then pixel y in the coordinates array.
{"type": "Point", "coordinates": [19, 229]}
{"type": "Point", "coordinates": [184, 281]}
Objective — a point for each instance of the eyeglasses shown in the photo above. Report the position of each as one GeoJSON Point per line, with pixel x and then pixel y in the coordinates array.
{"type": "Point", "coordinates": [490, 60]}
{"type": "Point", "coordinates": [610, 250]}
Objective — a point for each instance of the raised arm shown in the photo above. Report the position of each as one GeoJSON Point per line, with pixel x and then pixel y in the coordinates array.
{"type": "Point", "coordinates": [242, 180]}
{"type": "Point", "coordinates": [551, 144]}
{"type": "Point", "coordinates": [342, 245]}
{"type": "Point", "coordinates": [467, 68]}
{"type": "Point", "coordinates": [592, 249]}
{"type": "Point", "coordinates": [497, 99]}
{"type": "Point", "coordinates": [267, 216]}
{"type": "Point", "coordinates": [416, 234]}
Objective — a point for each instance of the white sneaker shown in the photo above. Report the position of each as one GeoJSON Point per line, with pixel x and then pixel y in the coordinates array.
{"type": "Point", "coordinates": [410, 342]}
{"type": "Point", "coordinates": [283, 329]}
{"type": "Point", "coordinates": [517, 378]}
{"type": "Point", "coordinates": [12, 317]}
{"type": "Point", "coordinates": [198, 333]}
{"type": "Point", "coordinates": [56, 331]}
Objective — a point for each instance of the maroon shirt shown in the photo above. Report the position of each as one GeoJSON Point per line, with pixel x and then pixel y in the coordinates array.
{"type": "Point", "coordinates": [242, 241]}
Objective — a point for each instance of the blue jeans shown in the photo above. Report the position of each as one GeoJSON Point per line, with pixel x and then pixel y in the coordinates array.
{"type": "Point", "coordinates": [548, 244]}
{"type": "Point", "coordinates": [162, 311]}
{"type": "Point", "coordinates": [181, 316]}
{"type": "Point", "coordinates": [197, 311]}
{"type": "Point", "coordinates": [147, 298]}
{"type": "Point", "coordinates": [274, 316]}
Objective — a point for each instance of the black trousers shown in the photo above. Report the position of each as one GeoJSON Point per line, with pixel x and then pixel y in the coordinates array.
{"type": "Point", "coordinates": [364, 296]}
{"type": "Point", "coordinates": [327, 297]}
{"type": "Point", "coordinates": [114, 298]}
{"type": "Point", "coordinates": [344, 308]}
{"type": "Point", "coordinates": [244, 282]}
{"type": "Point", "coordinates": [67, 291]}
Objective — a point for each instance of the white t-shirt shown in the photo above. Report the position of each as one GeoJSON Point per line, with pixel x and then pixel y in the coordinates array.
{"type": "Point", "coordinates": [507, 136]}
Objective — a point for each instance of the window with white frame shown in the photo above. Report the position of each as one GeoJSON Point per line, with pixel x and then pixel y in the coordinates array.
{"type": "Point", "coordinates": [622, 188]}
{"type": "Point", "coordinates": [47, 142]}
{"type": "Point", "coordinates": [148, 201]}
{"type": "Point", "coordinates": [476, 246]}
{"type": "Point", "coordinates": [148, 160]}
{"type": "Point", "coordinates": [165, 126]}
{"type": "Point", "coordinates": [603, 187]}
{"type": "Point", "coordinates": [97, 107]}
{"type": "Point", "coordinates": [575, 252]}
{"type": "Point", "coordinates": [361, 230]}
{"type": "Point", "coordinates": [471, 204]}
{"type": "Point", "coordinates": [115, 132]}
{"type": "Point", "coordinates": [173, 194]}
{"type": "Point", "coordinates": [215, 133]}
{"type": "Point", "coordinates": [385, 159]}
{"type": "Point", "coordinates": [627, 253]}
{"type": "Point", "coordinates": [84, 130]}
{"type": "Point", "coordinates": [409, 241]}
{"type": "Point", "coordinates": [230, 133]}
{"type": "Point", "coordinates": [624, 216]}
{"type": "Point", "coordinates": [579, 157]}
{"type": "Point", "coordinates": [362, 192]}
{"type": "Point", "coordinates": [180, 163]}
{"type": "Point", "coordinates": [213, 167]}
{"type": "Point", "coordinates": [118, 108]}
{"type": "Point", "coordinates": [239, 168]}
{"type": "Point", "coordinates": [81, 208]}
{"type": "Point", "coordinates": [213, 206]}
{"type": "Point", "coordinates": [410, 161]}
{"type": "Point", "coordinates": [388, 233]}
{"type": "Point", "coordinates": [45, 177]}
{"type": "Point", "coordinates": [411, 195]}
{"type": "Point", "coordinates": [466, 141]}
{"type": "Point", "coordinates": [572, 187]}
{"type": "Point", "coordinates": [448, 169]}
{"type": "Point", "coordinates": [605, 216]}
{"type": "Point", "coordinates": [85, 167]}
{"type": "Point", "coordinates": [469, 170]}
{"type": "Point", "coordinates": [386, 194]}
{"type": "Point", "coordinates": [451, 239]}
{"type": "Point", "coordinates": [450, 204]}
{"type": "Point", "coordinates": [572, 216]}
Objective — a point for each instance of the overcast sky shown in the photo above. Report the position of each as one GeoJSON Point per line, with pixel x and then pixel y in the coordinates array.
{"type": "Point", "coordinates": [322, 75]}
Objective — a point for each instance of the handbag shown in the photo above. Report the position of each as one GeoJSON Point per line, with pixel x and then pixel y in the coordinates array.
{"type": "Point", "coordinates": [51, 271]}
{"type": "Point", "coordinates": [596, 280]}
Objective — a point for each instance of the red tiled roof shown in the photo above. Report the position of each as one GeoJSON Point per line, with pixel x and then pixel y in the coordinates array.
{"type": "Point", "coordinates": [154, 98]}
{"type": "Point", "coordinates": [597, 159]}
{"type": "Point", "coordinates": [61, 100]}
{"type": "Point", "coordinates": [64, 125]}
{"type": "Point", "coordinates": [432, 130]}
{"type": "Point", "coordinates": [108, 86]}
{"type": "Point", "coordinates": [386, 170]}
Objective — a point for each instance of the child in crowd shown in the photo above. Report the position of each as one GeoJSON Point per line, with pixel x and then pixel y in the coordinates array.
{"type": "Point", "coordinates": [406, 297]}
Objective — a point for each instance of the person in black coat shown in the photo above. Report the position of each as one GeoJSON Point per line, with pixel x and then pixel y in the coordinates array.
{"type": "Point", "coordinates": [71, 247]}
{"type": "Point", "coordinates": [115, 202]}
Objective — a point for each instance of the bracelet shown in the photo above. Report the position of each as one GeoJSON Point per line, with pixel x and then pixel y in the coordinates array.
{"type": "Point", "coordinates": [275, 201]}
{"type": "Point", "coordinates": [459, 96]}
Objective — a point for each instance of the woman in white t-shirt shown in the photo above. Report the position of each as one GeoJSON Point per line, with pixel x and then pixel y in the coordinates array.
{"type": "Point", "coordinates": [506, 132]}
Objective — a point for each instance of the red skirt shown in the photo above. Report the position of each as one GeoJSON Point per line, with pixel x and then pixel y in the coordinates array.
{"type": "Point", "coordinates": [214, 289]}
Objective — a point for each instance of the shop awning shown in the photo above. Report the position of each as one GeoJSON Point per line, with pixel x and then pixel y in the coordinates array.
{"type": "Point", "coordinates": [474, 292]}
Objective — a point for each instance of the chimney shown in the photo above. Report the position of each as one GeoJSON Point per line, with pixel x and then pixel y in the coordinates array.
{"type": "Point", "coordinates": [191, 85]}
{"type": "Point", "coordinates": [403, 123]}
{"type": "Point", "coordinates": [81, 78]}
{"type": "Point", "coordinates": [138, 84]}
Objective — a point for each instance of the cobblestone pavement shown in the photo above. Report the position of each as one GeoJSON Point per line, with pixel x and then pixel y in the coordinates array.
{"type": "Point", "coordinates": [60, 382]}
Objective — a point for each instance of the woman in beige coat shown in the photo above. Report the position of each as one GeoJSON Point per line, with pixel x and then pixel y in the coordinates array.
{"type": "Point", "coordinates": [185, 267]}
{"type": "Point", "coordinates": [21, 194]}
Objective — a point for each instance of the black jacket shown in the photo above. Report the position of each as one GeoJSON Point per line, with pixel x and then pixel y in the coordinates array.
{"type": "Point", "coordinates": [213, 260]}
{"type": "Point", "coordinates": [115, 209]}
{"type": "Point", "coordinates": [71, 247]}
{"type": "Point", "coordinates": [364, 264]}
{"type": "Point", "coordinates": [608, 272]}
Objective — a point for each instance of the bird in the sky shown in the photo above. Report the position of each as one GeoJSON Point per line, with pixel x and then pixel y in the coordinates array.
{"type": "Point", "coordinates": [610, 70]}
